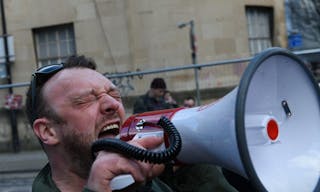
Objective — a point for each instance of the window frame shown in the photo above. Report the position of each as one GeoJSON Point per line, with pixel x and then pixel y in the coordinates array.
{"type": "Point", "coordinates": [53, 36]}
{"type": "Point", "coordinates": [259, 40]}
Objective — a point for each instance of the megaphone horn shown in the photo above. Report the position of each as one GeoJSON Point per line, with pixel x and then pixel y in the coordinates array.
{"type": "Point", "coordinates": [267, 129]}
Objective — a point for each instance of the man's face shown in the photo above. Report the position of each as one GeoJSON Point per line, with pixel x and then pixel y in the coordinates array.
{"type": "Point", "coordinates": [159, 93]}
{"type": "Point", "coordinates": [91, 107]}
{"type": "Point", "coordinates": [189, 103]}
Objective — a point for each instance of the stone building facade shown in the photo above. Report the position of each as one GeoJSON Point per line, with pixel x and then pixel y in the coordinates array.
{"type": "Point", "coordinates": [127, 36]}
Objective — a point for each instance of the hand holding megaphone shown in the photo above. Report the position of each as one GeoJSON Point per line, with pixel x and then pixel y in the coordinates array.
{"type": "Point", "coordinates": [159, 155]}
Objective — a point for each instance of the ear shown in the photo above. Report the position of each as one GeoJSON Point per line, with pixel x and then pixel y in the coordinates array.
{"type": "Point", "coordinates": [45, 131]}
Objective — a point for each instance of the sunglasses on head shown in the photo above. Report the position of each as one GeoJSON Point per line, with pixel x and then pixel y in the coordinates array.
{"type": "Point", "coordinates": [39, 77]}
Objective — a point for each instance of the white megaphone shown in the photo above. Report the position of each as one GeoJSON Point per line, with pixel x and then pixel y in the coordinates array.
{"type": "Point", "coordinates": [267, 129]}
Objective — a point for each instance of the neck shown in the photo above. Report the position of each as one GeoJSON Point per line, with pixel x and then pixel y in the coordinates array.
{"type": "Point", "coordinates": [68, 181]}
{"type": "Point", "coordinates": [63, 176]}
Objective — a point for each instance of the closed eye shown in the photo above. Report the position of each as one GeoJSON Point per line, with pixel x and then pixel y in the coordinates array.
{"type": "Point", "coordinates": [115, 94]}
{"type": "Point", "coordinates": [83, 100]}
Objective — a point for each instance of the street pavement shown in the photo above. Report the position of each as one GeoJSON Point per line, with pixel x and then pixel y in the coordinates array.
{"type": "Point", "coordinates": [17, 170]}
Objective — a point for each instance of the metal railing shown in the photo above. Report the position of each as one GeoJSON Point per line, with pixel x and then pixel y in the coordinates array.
{"type": "Point", "coordinates": [171, 69]}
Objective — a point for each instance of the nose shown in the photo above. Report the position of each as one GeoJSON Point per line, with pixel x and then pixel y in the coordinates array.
{"type": "Point", "coordinates": [108, 104]}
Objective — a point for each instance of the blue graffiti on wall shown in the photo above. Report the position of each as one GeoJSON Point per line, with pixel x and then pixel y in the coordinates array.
{"type": "Point", "coordinates": [123, 83]}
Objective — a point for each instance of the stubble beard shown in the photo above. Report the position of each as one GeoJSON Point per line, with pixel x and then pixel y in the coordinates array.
{"type": "Point", "coordinates": [78, 146]}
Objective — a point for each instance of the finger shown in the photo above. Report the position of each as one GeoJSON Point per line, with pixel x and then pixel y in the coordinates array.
{"type": "Point", "coordinates": [157, 169]}
{"type": "Point", "coordinates": [145, 168]}
{"type": "Point", "coordinates": [151, 170]}
{"type": "Point", "coordinates": [108, 165]}
{"type": "Point", "coordinates": [149, 142]}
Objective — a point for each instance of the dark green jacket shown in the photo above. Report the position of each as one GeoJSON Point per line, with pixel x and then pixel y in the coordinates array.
{"type": "Point", "coordinates": [145, 103]}
{"type": "Point", "coordinates": [197, 178]}
{"type": "Point", "coordinates": [44, 183]}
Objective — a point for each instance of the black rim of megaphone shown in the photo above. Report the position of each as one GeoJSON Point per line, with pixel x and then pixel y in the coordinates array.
{"type": "Point", "coordinates": [241, 103]}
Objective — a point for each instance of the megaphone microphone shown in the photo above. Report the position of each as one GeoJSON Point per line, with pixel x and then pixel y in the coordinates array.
{"type": "Point", "coordinates": [267, 129]}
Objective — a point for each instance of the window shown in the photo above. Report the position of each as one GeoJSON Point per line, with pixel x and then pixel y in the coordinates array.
{"type": "Point", "coordinates": [259, 22]}
{"type": "Point", "coordinates": [54, 44]}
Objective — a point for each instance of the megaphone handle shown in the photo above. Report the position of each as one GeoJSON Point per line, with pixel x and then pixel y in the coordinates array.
{"type": "Point", "coordinates": [121, 181]}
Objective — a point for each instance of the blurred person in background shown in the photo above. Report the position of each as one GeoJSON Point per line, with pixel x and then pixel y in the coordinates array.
{"type": "Point", "coordinates": [169, 99]}
{"type": "Point", "coordinates": [189, 102]}
{"type": "Point", "coordinates": [154, 98]}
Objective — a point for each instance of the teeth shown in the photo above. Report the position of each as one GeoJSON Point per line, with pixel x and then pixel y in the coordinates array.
{"type": "Point", "coordinates": [109, 127]}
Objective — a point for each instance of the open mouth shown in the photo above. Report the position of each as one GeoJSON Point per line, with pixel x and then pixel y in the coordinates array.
{"type": "Point", "coordinates": [109, 131]}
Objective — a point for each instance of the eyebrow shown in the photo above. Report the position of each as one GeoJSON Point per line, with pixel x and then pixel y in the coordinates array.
{"type": "Point", "coordinates": [113, 88]}
{"type": "Point", "coordinates": [82, 94]}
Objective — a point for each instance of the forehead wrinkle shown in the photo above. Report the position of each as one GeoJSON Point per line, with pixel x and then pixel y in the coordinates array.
{"type": "Point", "coordinates": [112, 88]}
{"type": "Point", "coordinates": [60, 85]}
{"type": "Point", "coordinates": [110, 84]}
{"type": "Point", "coordinates": [63, 81]}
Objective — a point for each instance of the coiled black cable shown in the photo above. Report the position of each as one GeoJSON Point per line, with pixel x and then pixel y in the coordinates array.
{"type": "Point", "coordinates": [119, 146]}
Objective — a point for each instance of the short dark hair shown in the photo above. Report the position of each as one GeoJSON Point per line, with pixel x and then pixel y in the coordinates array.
{"type": "Point", "coordinates": [41, 108]}
{"type": "Point", "coordinates": [158, 83]}
{"type": "Point", "coordinates": [189, 98]}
